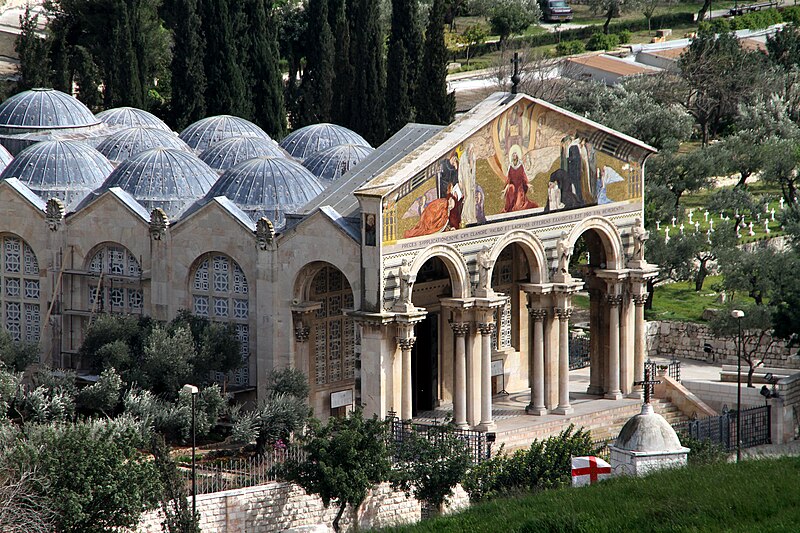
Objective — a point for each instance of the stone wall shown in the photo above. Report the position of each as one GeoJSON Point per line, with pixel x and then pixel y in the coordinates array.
{"type": "Point", "coordinates": [279, 506]}
{"type": "Point", "coordinates": [686, 339]}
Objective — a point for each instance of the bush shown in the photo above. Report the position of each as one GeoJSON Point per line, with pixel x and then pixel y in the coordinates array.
{"type": "Point", "coordinates": [624, 36]}
{"type": "Point", "coordinates": [703, 452]}
{"type": "Point", "coordinates": [544, 465]}
{"type": "Point", "coordinates": [756, 20]}
{"type": "Point", "coordinates": [568, 48]}
{"type": "Point", "coordinates": [601, 41]}
{"type": "Point", "coordinates": [791, 14]}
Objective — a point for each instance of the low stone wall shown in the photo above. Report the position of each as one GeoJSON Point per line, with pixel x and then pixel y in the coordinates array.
{"type": "Point", "coordinates": [687, 339]}
{"type": "Point", "coordinates": [280, 506]}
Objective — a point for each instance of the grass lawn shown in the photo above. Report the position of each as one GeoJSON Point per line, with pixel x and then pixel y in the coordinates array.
{"type": "Point", "coordinates": [753, 496]}
{"type": "Point", "coordinates": [679, 301]}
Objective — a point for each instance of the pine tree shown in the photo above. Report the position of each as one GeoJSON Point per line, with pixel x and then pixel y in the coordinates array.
{"type": "Point", "coordinates": [34, 63]}
{"type": "Point", "coordinates": [342, 88]}
{"type": "Point", "coordinates": [403, 63]}
{"type": "Point", "coordinates": [264, 74]}
{"type": "Point", "coordinates": [369, 81]}
{"type": "Point", "coordinates": [188, 82]}
{"type": "Point", "coordinates": [318, 74]}
{"type": "Point", "coordinates": [226, 94]}
{"type": "Point", "coordinates": [434, 105]}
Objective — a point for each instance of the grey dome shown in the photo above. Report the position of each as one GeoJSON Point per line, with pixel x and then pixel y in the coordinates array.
{"type": "Point", "coordinates": [206, 132]}
{"type": "Point", "coordinates": [163, 177]}
{"type": "Point", "coordinates": [5, 157]}
{"type": "Point", "coordinates": [132, 141]}
{"type": "Point", "coordinates": [131, 117]}
{"type": "Point", "coordinates": [309, 140]}
{"type": "Point", "coordinates": [68, 170]}
{"type": "Point", "coordinates": [648, 432]}
{"type": "Point", "coordinates": [331, 164]}
{"type": "Point", "coordinates": [44, 109]}
{"type": "Point", "coordinates": [229, 152]}
{"type": "Point", "coordinates": [268, 187]}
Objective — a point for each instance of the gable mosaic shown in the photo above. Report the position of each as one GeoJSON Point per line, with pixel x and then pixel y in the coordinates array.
{"type": "Point", "coordinates": [530, 160]}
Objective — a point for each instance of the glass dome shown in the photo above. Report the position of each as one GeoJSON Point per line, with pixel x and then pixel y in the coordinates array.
{"type": "Point", "coordinates": [231, 151]}
{"type": "Point", "coordinates": [132, 141]}
{"type": "Point", "coordinates": [268, 187]}
{"type": "Point", "coordinates": [5, 157]}
{"type": "Point", "coordinates": [67, 170]}
{"type": "Point", "coordinates": [130, 117]}
{"type": "Point", "coordinates": [304, 142]}
{"type": "Point", "coordinates": [331, 164]}
{"type": "Point", "coordinates": [163, 177]}
{"type": "Point", "coordinates": [44, 109]}
{"type": "Point", "coordinates": [206, 132]}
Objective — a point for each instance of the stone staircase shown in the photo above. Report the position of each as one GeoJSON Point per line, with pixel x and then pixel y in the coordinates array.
{"type": "Point", "coordinates": [604, 425]}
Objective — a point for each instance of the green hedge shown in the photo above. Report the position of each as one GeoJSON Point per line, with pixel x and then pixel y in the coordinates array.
{"type": "Point", "coordinates": [659, 21]}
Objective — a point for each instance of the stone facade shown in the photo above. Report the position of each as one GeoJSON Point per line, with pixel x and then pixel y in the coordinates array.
{"type": "Point", "coordinates": [687, 339]}
{"type": "Point", "coordinates": [276, 507]}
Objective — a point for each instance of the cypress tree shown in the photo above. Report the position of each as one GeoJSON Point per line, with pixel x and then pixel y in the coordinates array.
{"type": "Point", "coordinates": [188, 80]}
{"type": "Point", "coordinates": [264, 74]}
{"type": "Point", "coordinates": [34, 63]}
{"type": "Point", "coordinates": [316, 87]}
{"type": "Point", "coordinates": [433, 104]}
{"type": "Point", "coordinates": [403, 63]}
{"type": "Point", "coordinates": [369, 81]}
{"type": "Point", "coordinates": [342, 89]}
{"type": "Point", "coordinates": [227, 93]}
{"type": "Point", "coordinates": [121, 80]}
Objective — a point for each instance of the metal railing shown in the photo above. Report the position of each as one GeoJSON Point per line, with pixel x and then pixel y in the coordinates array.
{"type": "Point", "coordinates": [239, 472]}
{"type": "Point", "coordinates": [756, 425]}
{"type": "Point", "coordinates": [476, 441]}
{"type": "Point", "coordinates": [579, 349]}
{"type": "Point", "coordinates": [673, 370]}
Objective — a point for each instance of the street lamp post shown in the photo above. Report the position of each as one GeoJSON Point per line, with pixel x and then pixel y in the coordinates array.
{"type": "Point", "coordinates": [191, 389]}
{"type": "Point", "coordinates": [738, 315]}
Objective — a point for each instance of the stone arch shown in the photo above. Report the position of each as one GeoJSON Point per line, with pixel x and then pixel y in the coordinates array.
{"type": "Point", "coordinates": [301, 288]}
{"type": "Point", "coordinates": [533, 249]}
{"type": "Point", "coordinates": [453, 260]}
{"type": "Point", "coordinates": [609, 236]}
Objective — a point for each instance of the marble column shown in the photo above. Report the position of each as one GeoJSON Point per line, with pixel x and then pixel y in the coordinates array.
{"type": "Point", "coordinates": [639, 342]}
{"type": "Point", "coordinates": [302, 356]}
{"type": "Point", "coordinates": [536, 364]}
{"type": "Point", "coordinates": [613, 391]}
{"type": "Point", "coordinates": [460, 330]}
{"type": "Point", "coordinates": [625, 346]}
{"type": "Point", "coordinates": [406, 344]}
{"type": "Point", "coordinates": [487, 422]}
{"type": "Point", "coordinates": [563, 314]}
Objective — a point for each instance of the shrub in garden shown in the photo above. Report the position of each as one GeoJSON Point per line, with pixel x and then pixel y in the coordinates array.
{"type": "Point", "coordinates": [703, 452]}
{"type": "Point", "coordinates": [567, 48]}
{"type": "Point", "coordinates": [624, 36]}
{"type": "Point", "coordinates": [601, 41]}
{"type": "Point", "coordinates": [546, 464]}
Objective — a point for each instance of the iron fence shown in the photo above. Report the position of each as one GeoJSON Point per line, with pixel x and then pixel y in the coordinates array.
{"type": "Point", "coordinates": [673, 370]}
{"type": "Point", "coordinates": [239, 472]}
{"type": "Point", "coordinates": [722, 430]}
{"type": "Point", "coordinates": [477, 442]}
{"type": "Point", "coordinates": [579, 352]}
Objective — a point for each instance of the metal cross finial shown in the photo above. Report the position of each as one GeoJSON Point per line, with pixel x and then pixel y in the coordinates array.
{"type": "Point", "coordinates": [515, 76]}
{"type": "Point", "coordinates": [646, 384]}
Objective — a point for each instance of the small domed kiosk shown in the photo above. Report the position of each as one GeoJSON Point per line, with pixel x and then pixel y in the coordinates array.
{"type": "Point", "coordinates": [646, 443]}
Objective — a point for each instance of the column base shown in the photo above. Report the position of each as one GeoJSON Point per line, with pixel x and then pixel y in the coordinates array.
{"type": "Point", "coordinates": [486, 426]}
{"type": "Point", "coordinates": [463, 425]}
{"type": "Point", "coordinates": [563, 410]}
{"type": "Point", "coordinates": [594, 390]}
{"type": "Point", "coordinates": [614, 395]}
{"type": "Point", "coordinates": [636, 395]}
{"type": "Point", "coordinates": [537, 411]}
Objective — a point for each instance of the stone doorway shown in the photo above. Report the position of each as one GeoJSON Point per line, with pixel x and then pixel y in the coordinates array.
{"type": "Point", "coordinates": [425, 365]}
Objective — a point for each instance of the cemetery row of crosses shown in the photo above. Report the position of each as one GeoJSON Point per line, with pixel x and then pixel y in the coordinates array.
{"type": "Point", "coordinates": [487, 277]}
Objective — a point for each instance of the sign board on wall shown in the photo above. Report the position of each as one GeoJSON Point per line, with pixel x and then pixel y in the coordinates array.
{"type": "Point", "coordinates": [341, 398]}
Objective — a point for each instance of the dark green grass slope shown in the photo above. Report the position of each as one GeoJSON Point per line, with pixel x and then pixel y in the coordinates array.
{"type": "Point", "coordinates": [752, 497]}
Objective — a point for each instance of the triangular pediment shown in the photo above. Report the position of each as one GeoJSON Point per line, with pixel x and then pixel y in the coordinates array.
{"type": "Point", "coordinates": [511, 156]}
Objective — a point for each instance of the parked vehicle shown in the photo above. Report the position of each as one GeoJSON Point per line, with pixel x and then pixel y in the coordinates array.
{"type": "Point", "coordinates": [555, 11]}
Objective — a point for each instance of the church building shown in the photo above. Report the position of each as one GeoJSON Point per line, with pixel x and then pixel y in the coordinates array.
{"type": "Point", "coordinates": [414, 275]}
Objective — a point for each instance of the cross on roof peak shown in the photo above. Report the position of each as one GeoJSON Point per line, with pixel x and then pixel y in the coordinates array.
{"type": "Point", "coordinates": [515, 76]}
{"type": "Point", "coordinates": [646, 384]}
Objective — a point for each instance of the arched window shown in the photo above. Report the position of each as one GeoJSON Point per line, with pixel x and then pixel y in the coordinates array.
{"type": "Point", "coordinates": [503, 282]}
{"type": "Point", "coordinates": [220, 293]}
{"type": "Point", "coordinates": [118, 288]}
{"type": "Point", "coordinates": [19, 289]}
{"type": "Point", "coordinates": [334, 332]}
